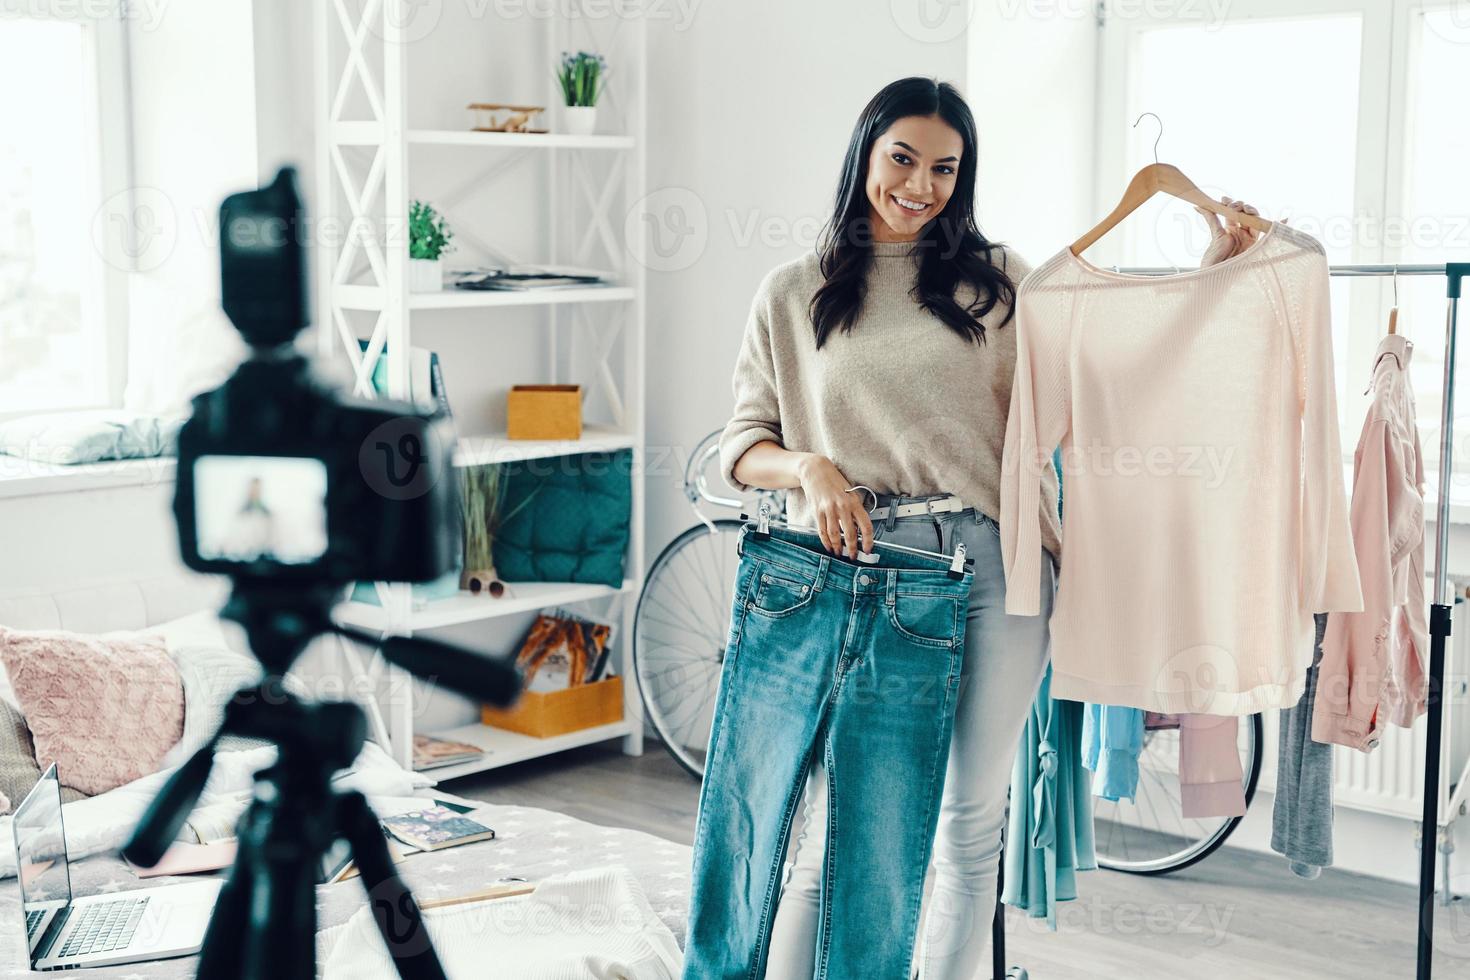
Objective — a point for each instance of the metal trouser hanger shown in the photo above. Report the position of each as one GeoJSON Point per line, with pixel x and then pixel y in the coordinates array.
{"type": "Point", "coordinates": [762, 523]}
{"type": "Point", "coordinates": [1440, 608]}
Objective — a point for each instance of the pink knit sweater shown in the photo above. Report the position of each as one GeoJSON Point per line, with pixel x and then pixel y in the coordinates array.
{"type": "Point", "coordinates": [1205, 518]}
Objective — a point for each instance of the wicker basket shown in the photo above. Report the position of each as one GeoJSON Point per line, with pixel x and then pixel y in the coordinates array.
{"type": "Point", "coordinates": [546, 713]}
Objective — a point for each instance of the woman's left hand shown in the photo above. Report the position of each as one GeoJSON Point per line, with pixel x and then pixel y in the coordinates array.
{"type": "Point", "coordinates": [1228, 238]}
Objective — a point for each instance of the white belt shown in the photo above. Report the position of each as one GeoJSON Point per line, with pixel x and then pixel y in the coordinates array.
{"type": "Point", "coordinates": [939, 505]}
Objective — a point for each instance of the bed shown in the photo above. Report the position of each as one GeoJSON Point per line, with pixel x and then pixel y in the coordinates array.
{"type": "Point", "coordinates": [530, 843]}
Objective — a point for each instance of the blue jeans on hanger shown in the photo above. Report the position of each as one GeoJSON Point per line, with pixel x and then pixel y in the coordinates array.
{"type": "Point", "coordinates": [1003, 664]}
{"type": "Point", "coordinates": [858, 666]}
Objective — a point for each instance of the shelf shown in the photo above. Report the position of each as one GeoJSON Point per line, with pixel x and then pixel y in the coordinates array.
{"type": "Point", "coordinates": [503, 748]}
{"type": "Point", "coordinates": [517, 141]}
{"type": "Point", "coordinates": [371, 297]}
{"type": "Point", "coordinates": [480, 450]}
{"type": "Point", "coordinates": [523, 597]}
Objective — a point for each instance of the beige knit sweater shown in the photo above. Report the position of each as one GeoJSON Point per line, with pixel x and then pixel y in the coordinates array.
{"type": "Point", "coordinates": [901, 404]}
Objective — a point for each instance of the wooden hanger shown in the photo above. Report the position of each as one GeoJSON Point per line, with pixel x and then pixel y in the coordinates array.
{"type": "Point", "coordinates": [1167, 179]}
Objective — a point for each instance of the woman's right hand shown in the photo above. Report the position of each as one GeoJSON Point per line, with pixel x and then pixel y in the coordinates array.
{"type": "Point", "coordinates": [840, 517]}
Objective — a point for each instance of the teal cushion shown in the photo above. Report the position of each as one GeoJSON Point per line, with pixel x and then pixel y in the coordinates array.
{"type": "Point", "coordinates": [565, 519]}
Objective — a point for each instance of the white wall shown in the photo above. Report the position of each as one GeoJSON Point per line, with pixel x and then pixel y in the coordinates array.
{"type": "Point", "coordinates": [1032, 79]}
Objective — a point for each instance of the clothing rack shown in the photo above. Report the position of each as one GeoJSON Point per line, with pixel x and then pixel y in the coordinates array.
{"type": "Point", "coordinates": [1454, 274]}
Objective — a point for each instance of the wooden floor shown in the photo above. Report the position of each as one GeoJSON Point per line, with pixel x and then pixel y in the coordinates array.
{"type": "Point", "coordinates": [1237, 914]}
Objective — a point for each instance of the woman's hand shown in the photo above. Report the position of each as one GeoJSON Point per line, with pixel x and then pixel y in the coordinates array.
{"type": "Point", "coordinates": [1229, 238]}
{"type": "Point", "coordinates": [840, 517]}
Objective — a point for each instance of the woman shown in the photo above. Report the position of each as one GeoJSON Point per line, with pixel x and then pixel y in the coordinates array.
{"type": "Point", "coordinates": [875, 374]}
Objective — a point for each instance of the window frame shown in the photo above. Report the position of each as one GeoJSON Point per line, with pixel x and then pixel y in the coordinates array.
{"type": "Point", "coordinates": [1385, 132]}
{"type": "Point", "coordinates": [108, 120]}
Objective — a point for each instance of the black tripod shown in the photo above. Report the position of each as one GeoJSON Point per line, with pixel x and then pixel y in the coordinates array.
{"type": "Point", "coordinates": [264, 924]}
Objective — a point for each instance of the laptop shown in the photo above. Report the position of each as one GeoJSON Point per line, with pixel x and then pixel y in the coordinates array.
{"type": "Point", "coordinates": [98, 930]}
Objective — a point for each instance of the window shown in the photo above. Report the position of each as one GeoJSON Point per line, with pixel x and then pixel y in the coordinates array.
{"type": "Point", "coordinates": [1436, 213]}
{"type": "Point", "coordinates": [1339, 115]}
{"type": "Point", "coordinates": [61, 325]}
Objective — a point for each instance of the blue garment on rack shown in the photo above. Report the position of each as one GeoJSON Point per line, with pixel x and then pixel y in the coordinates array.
{"type": "Point", "coordinates": [1112, 740]}
{"type": "Point", "coordinates": [1049, 831]}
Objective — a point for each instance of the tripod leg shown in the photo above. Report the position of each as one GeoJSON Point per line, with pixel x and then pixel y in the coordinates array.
{"type": "Point", "coordinates": [397, 915]}
{"type": "Point", "coordinates": [264, 922]}
{"type": "Point", "coordinates": [221, 954]}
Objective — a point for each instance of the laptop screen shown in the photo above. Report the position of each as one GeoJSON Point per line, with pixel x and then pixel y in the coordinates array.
{"type": "Point", "coordinates": [40, 848]}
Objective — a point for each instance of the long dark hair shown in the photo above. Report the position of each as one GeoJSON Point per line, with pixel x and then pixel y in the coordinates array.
{"type": "Point", "coordinates": [951, 248]}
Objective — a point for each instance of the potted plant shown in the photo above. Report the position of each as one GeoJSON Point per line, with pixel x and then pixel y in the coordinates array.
{"type": "Point", "coordinates": [481, 493]}
{"type": "Point", "coordinates": [581, 78]}
{"type": "Point", "coordinates": [428, 240]}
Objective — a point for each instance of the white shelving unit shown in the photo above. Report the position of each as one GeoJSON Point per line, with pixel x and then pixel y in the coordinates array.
{"type": "Point", "coordinates": [365, 181]}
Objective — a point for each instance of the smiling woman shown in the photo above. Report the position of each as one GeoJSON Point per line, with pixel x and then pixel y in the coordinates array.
{"type": "Point", "coordinates": [909, 176]}
{"type": "Point", "coordinates": [884, 361]}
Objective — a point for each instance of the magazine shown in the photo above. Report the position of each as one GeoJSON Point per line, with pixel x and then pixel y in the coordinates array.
{"type": "Point", "coordinates": [562, 650]}
{"type": "Point", "coordinates": [435, 753]}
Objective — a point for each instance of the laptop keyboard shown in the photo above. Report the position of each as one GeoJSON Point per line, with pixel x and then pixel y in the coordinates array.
{"type": "Point", "coordinates": [104, 926]}
{"type": "Point", "coordinates": [33, 921]}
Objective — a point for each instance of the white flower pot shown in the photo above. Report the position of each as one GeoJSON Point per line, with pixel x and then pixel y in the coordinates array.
{"type": "Point", "coordinates": [425, 275]}
{"type": "Point", "coordinates": [580, 120]}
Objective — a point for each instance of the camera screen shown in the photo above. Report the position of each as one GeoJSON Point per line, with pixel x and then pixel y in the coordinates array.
{"type": "Point", "coordinates": [260, 508]}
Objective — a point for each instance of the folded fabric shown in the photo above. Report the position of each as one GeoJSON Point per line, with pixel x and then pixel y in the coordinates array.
{"type": "Point", "coordinates": [1211, 778]}
{"type": "Point", "coordinates": [1049, 834]}
{"type": "Point", "coordinates": [68, 438]}
{"type": "Point", "coordinates": [595, 924]}
{"type": "Point", "coordinates": [1301, 816]}
{"type": "Point", "coordinates": [104, 823]}
{"type": "Point", "coordinates": [1112, 740]}
{"type": "Point", "coordinates": [105, 709]}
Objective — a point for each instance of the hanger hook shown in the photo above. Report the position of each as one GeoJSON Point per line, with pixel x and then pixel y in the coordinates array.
{"type": "Point", "coordinates": [1395, 284]}
{"type": "Point", "coordinates": [1156, 138]}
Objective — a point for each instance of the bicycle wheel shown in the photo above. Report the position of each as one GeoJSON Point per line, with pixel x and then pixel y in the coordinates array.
{"type": "Point", "coordinates": [679, 633]}
{"type": "Point", "coordinates": [1151, 836]}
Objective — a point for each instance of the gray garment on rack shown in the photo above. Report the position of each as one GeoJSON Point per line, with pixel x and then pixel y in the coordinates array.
{"type": "Point", "coordinates": [1301, 821]}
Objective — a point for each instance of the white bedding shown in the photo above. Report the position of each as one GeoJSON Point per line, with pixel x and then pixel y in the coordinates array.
{"type": "Point", "coordinates": [594, 924]}
{"type": "Point", "coordinates": [104, 823]}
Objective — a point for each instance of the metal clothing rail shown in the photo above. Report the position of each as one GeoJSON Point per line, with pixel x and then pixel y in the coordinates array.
{"type": "Point", "coordinates": [1439, 610]}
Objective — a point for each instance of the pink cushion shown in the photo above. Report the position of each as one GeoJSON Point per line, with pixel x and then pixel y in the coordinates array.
{"type": "Point", "coordinates": [105, 709]}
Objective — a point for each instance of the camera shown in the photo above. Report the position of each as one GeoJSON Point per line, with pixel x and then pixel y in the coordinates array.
{"type": "Point", "coordinates": [281, 476]}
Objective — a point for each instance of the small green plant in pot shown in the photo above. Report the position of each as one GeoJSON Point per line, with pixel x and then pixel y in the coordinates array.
{"type": "Point", "coordinates": [429, 236]}
{"type": "Point", "coordinates": [581, 76]}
